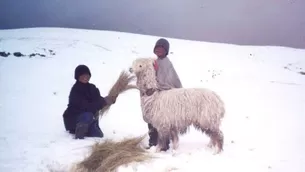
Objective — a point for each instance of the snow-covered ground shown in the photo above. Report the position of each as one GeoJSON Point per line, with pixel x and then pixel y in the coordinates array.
{"type": "Point", "coordinates": [261, 86]}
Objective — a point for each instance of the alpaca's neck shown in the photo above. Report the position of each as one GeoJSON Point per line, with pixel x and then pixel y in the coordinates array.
{"type": "Point", "coordinates": [147, 80]}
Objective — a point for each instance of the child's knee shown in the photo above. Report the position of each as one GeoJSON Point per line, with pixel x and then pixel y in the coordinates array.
{"type": "Point", "coordinates": [95, 130]}
{"type": "Point", "coordinates": [86, 117]}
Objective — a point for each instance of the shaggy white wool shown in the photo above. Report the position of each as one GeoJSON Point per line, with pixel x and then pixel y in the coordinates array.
{"type": "Point", "coordinates": [177, 109]}
{"type": "Point", "coordinates": [183, 107]}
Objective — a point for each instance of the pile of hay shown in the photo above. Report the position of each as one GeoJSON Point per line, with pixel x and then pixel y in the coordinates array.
{"type": "Point", "coordinates": [109, 155]}
{"type": "Point", "coordinates": [121, 85]}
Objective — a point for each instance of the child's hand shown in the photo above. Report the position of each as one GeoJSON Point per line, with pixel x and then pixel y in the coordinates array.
{"type": "Point", "coordinates": [110, 100]}
{"type": "Point", "coordinates": [150, 92]}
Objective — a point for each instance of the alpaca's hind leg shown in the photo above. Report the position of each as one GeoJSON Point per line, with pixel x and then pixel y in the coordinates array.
{"type": "Point", "coordinates": [204, 130]}
{"type": "Point", "coordinates": [175, 138]}
{"type": "Point", "coordinates": [210, 144]}
{"type": "Point", "coordinates": [216, 140]}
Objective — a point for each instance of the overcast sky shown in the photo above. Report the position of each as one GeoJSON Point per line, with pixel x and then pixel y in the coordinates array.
{"type": "Point", "coordinates": [255, 22]}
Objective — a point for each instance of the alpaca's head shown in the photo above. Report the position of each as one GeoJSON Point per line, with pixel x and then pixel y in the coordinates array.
{"type": "Point", "coordinates": [141, 65]}
{"type": "Point", "coordinates": [145, 72]}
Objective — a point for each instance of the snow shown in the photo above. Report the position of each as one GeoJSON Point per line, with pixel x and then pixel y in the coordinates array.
{"type": "Point", "coordinates": [261, 86]}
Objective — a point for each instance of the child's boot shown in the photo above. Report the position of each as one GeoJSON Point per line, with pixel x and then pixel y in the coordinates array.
{"type": "Point", "coordinates": [81, 130]}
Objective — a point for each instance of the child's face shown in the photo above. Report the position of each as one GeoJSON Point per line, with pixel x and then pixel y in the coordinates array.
{"type": "Point", "coordinates": [160, 51]}
{"type": "Point", "coordinates": [84, 78]}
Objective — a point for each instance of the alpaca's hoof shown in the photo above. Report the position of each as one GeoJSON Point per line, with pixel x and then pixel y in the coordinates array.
{"type": "Point", "coordinates": [214, 152]}
{"type": "Point", "coordinates": [158, 149]}
{"type": "Point", "coordinates": [174, 152]}
{"type": "Point", "coordinates": [217, 150]}
{"type": "Point", "coordinates": [175, 146]}
{"type": "Point", "coordinates": [147, 147]}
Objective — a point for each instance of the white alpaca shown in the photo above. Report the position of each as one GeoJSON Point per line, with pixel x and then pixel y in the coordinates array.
{"type": "Point", "coordinates": [173, 111]}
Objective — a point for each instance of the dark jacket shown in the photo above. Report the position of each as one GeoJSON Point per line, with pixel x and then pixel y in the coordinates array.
{"type": "Point", "coordinates": [82, 98]}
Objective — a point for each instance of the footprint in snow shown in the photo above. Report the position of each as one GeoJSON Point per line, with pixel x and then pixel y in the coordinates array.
{"type": "Point", "coordinates": [294, 68]}
{"type": "Point", "coordinates": [134, 52]}
{"type": "Point", "coordinates": [251, 149]}
{"type": "Point", "coordinates": [215, 73]}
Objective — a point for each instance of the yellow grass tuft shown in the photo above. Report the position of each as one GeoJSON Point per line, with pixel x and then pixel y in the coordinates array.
{"type": "Point", "coordinates": [109, 155]}
{"type": "Point", "coordinates": [121, 85]}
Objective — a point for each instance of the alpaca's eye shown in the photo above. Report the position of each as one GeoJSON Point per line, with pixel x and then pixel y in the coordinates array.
{"type": "Point", "coordinates": [140, 66]}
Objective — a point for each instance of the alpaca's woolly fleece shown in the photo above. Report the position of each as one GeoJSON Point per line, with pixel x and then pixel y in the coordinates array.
{"type": "Point", "coordinates": [183, 107]}
{"type": "Point", "coordinates": [176, 110]}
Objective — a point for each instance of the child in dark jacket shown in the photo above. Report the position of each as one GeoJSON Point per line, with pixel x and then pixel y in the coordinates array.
{"type": "Point", "coordinates": [81, 116]}
{"type": "Point", "coordinates": [167, 78]}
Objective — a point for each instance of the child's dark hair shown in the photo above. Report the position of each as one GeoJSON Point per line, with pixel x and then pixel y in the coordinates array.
{"type": "Point", "coordinates": [162, 43]}
{"type": "Point", "coordinates": [80, 70]}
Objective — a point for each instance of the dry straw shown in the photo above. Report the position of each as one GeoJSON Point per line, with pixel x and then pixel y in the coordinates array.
{"type": "Point", "coordinates": [121, 85]}
{"type": "Point", "coordinates": [109, 155]}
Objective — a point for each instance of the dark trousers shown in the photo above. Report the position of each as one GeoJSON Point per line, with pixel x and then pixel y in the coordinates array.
{"type": "Point", "coordinates": [87, 125]}
{"type": "Point", "coordinates": [153, 137]}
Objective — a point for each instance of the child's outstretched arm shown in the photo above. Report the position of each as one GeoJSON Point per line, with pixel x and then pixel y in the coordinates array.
{"type": "Point", "coordinates": [99, 102]}
{"type": "Point", "coordinates": [75, 99]}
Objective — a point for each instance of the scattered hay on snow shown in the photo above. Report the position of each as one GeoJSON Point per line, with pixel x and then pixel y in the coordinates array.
{"type": "Point", "coordinates": [121, 85]}
{"type": "Point", "coordinates": [109, 155]}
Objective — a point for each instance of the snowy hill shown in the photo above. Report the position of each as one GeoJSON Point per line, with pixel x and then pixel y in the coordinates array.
{"type": "Point", "coordinates": [263, 88]}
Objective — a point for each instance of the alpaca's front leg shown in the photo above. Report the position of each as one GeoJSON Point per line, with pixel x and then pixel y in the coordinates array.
{"type": "Point", "coordinates": [159, 145]}
{"type": "Point", "coordinates": [163, 142]}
